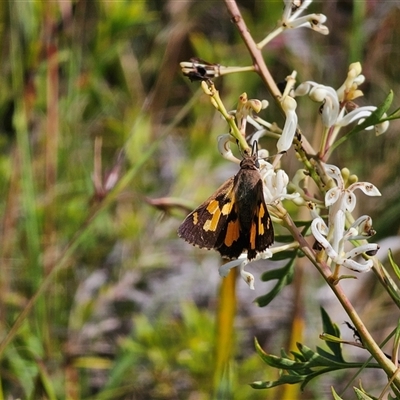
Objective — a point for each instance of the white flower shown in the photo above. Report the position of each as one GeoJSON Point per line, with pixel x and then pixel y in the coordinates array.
{"type": "Point", "coordinates": [291, 19]}
{"type": "Point", "coordinates": [335, 247]}
{"type": "Point", "coordinates": [275, 183]}
{"type": "Point", "coordinates": [333, 237]}
{"type": "Point", "coordinates": [289, 107]}
{"type": "Point", "coordinates": [344, 198]}
{"type": "Point", "coordinates": [333, 112]}
{"type": "Point", "coordinates": [312, 21]}
{"type": "Point", "coordinates": [225, 148]}
{"type": "Point", "coordinates": [360, 114]}
{"type": "Point", "coordinates": [322, 94]}
{"type": "Point", "coordinates": [241, 262]}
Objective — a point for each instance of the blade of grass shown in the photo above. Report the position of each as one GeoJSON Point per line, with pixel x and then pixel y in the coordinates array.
{"type": "Point", "coordinates": [224, 334]}
{"type": "Point", "coordinates": [63, 261]}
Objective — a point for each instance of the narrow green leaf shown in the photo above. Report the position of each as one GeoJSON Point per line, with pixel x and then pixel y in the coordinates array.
{"type": "Point", "coordinates": [306, 223]}
{"type": "Point", "coordinates": [396, 341]}
{"type": "Point", "coordinates": [335, 395]}
{"type": "Point", "coordinates": [394, 115]}
{"type": "Point", "coordinates": [361, 395]}
{"type": "Point", "coordinates": [284, 276]}
{"type": "Point", "coordinates": [332, 329]}
{"type": "Point", "coordinates": [327, 355]}
{"type": "Point", "coordinates": [316, 360]}
{"type": "Point", "coordinates": [394, 265]}
{"type": "Point", "coordinates": [283, 238]}
{"type": "Point", "coordinates": [284, 255]}
{"type": "Point", "coordinates": [283, 379]}
{"type": "Point", "coordinates": [274, 274]}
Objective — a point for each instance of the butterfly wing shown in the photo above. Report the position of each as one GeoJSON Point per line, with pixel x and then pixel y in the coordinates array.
{"type": "Point", "coordinates": [205, 227]}
{"type": "Point", "coordinates": [234, 219]}
{"type": "Point", "coordinates": [261, 234]}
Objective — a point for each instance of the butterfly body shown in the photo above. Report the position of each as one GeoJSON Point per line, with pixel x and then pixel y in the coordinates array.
{"type": "Point", "coordinates": [235, 218]}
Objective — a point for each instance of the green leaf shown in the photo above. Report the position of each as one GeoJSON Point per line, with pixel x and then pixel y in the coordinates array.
{"type": "Point", "coordinates": [332, 329]}
{"type": "Point", "coordinates": [396, 341]}
{"type": "Point", "coordinates": [284, 255]}
{"type": "Point", "coordinates": [335, 395]}
{"type": "Point", "coordinates": [290, 379]}
{"type": "Point", "coordinates": [303, 365]}
{"type": "Point", "coordinates": [283, 275]}
{"type": "Point", "coordinates": [395, 267]}
{"type": "Point", "coordinates": [361, 395]}
{"type": "Point", "coordinates": [394, 115]}
{"type": "Point", "coordinates": [283, 238]}
{"type": "Point", "coordinates": [306, 223]}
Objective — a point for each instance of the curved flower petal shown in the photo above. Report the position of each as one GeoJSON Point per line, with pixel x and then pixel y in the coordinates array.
{"type": "Point", "coordinates": [368, 188]}
{"type": "Point", "coordinates": [247, 276]}
{"type": "Point", "coordinates": [304, 88]}
{"type": "Point", "coordinates": [334, 172]}
{"type": "Point", "coordinates": [320, 230]}
{"type": "Point", "coordinates": [224, 269]}
{"type": "Point", "coordinates": [358, 113]}
{"type": "Point", "coordinates": [288, 13]}
{"type": "Point", "coordinates": [338, 223]}
{"type": "Point", "coordinates": [364, 227]}
{"type": "Point", "coordinates": [331, 107]}
{"type": "Point", "coordinates": [312, 21]}
{"type": "Point", "coordinates": [358, 266]}
{"type": "Point", "coordinates": [289, 105]}
{"type": "Point", "coordinates": [225, 148]}
{"type": "Point", "coordinates": [365, 248]}
{"type": "Point", "coordinates": [382, 127]}
{"type": "Point", "coordinates": [332, 196]}
{"type": "Point", "coordinates": [349, 200]}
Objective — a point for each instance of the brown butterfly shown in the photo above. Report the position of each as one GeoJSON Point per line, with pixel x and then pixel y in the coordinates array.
{"type": "Point", "coordinates": [235, 218]}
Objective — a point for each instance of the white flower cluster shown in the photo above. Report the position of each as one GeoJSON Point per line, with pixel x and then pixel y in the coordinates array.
{"type": "Point", "coordinates": [334, 113]}
{"type": "Point", "coordinates": [291, 19]}
{"type": "Point", "coordinates": [334, 236]}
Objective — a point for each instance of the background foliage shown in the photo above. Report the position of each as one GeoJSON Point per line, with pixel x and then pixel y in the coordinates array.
{"type": "Point", "coordinates": [125, 309]}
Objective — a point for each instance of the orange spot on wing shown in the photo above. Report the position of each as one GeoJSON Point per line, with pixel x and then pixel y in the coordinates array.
{"type": "Point", "coordinates": [261, 213]}
{"type": "Point", "coordinates": [213, 209]}
{"type": "Point", "coordinates": [227, 208]}
{"type": "Point", "coordinates": [232, 232]}
{"type": "Point", "coordinates": [213, 205]}
{"type": "Point", "coordinates": [253, 233]}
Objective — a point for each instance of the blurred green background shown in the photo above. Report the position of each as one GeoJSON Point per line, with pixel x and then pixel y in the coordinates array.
{"type": "Point", "coordinates": [125, 309]}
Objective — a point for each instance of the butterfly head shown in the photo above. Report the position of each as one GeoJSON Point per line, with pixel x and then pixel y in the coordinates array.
{"type": "Point", "coordinates": [251, 161]}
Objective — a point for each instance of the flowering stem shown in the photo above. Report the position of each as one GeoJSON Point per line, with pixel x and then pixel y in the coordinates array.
{"type": "Point", "coordinates": [258, 60]}
{"type": "Point", "coordinates": [368, 341]}
{"type": "Point", "coordinates": [307, 151]}
{"type": "Point", "coordinates": [210, 89]}
{"type": "Point", "coordinates": [269, 37]}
